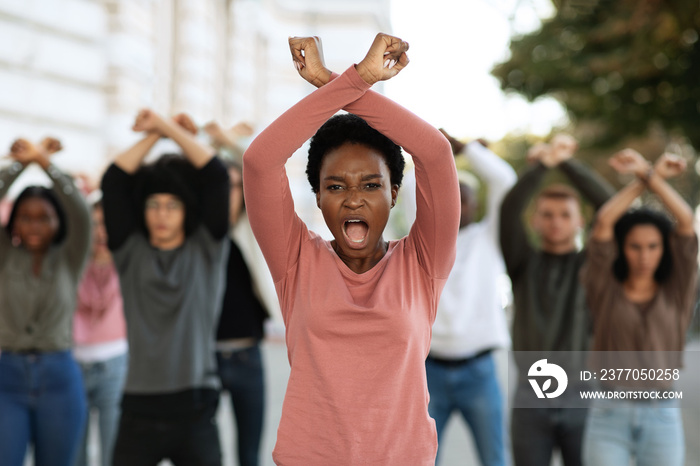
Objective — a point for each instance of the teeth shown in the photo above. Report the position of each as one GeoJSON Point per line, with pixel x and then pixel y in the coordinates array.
{"type": "Point", "coordinates": [354, 221]}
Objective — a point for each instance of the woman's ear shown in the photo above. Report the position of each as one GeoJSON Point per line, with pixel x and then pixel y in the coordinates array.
{"type": "Point", "coordinates": [394, 194]}
{"type": "Point", "coordinates": [318, 199]}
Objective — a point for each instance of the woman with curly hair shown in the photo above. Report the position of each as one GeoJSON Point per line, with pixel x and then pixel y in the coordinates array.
{"type": "Point", "coordinates": [358, 310]}
{"type": "Point", "coordinates": [43, 250]}
{"type": "Point", "coordinates": [640, 279]}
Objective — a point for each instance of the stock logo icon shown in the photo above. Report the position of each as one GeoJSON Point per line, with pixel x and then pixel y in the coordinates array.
{"type": "Point", "coordinates": [541, 369]}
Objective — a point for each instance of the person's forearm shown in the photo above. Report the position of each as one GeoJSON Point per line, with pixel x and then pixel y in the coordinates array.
{"type": "Point", "coordinates": [78, 221]}
{"type": "Point", "coordinates": [131, 159]}
{"type": "Point", "coordinates": [610, 212]}
{"type": "Point", "coordinates": [591, 185]}
{"type": "Point", "coordinates": [498, 174]}
{"type": "Point", "coordinates": [119, 211]}
{"type": "Point", "coordinates": [214, 198]}
{"type": "Point", "coordinates": [675, 203]}
{"type": "Point", "coordinates": [437, 200]}
{"type": "Point", "coordinates": [512, 234]}
{"type": "Point", "coordinates": [269, 202]}
{"type": "Point", "coordinates": [197, 153]}
{"type": "Point", "coordinates": [8, 175]}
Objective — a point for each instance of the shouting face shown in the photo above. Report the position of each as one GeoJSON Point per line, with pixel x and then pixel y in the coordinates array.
{"type": "Point", "coordinates": [355, 197]}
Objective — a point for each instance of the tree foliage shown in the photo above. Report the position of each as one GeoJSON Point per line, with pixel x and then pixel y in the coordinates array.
{"type": "Point", "coordinates": [618, 66]}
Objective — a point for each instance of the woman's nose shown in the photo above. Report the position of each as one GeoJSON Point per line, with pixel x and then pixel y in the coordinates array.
{"type": "Point", "coordinates": [354, 197]}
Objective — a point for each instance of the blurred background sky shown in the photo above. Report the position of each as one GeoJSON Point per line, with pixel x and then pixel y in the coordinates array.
{"type": "Point", "coordinates": [453, 47]}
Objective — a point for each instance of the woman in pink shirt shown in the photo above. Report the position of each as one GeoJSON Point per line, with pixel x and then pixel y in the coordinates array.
{"type": "Point", "coordinates": [358, 310]}
{"type": "Point", "coordinates": [99, 332]}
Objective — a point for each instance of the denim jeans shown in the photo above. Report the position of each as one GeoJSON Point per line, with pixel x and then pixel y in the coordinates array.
{"type": "Point", "coordinates": [103, 382]}
{"type": "Point", "coordinates": [241, 374]}
{"type": "Point", "coordinates": [619, 430]}
{"type": "Point", "coordinates": [472, 389]}
{"type": "Point", "coordinates": [41, 401]}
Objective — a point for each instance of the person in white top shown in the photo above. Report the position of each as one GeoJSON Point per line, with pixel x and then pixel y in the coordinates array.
{"type": "Point", "coordinates": [470, 321]}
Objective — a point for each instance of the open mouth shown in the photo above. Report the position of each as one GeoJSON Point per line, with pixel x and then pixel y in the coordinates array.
{"type": "Point", "coordinates": [356, 231]}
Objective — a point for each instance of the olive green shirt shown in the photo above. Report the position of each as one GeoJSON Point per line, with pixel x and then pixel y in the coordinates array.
{"type": "Point", "coordinates": [36, 312]}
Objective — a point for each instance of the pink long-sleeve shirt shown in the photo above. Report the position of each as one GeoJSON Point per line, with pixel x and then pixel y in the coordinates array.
{"type": "Point", "coordinates": [99, 317]}
{"type": "Point", "coordinates": [357, 343]}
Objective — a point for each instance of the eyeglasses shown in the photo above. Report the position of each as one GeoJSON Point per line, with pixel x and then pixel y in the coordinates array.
{"type": "Point", "coordinates": [170, 206]}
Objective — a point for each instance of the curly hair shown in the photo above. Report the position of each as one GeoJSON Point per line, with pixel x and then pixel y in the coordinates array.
{"type": "Point", "coordinates": [171, 174]}
{"type": "Point", "coordinates": [349, 128]}
{"type": "Point", "coordinates": [40, 192]}
{"type": "Point", "coordinates": [624, 225]}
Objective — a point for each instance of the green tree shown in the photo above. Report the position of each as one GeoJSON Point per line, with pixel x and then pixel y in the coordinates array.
{"type": "Point", "coordinates": [618, 66]}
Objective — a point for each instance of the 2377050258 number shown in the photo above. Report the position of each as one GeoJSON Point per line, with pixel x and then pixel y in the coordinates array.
{"type": "Point", "coordinates": [639, 374]}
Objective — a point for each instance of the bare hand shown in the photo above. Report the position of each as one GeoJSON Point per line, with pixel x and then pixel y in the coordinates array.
{"type": "Point", "coordinates": [538, 152]}
{"type": "Point", "coordinates": [23, 151]}
{"type": "Point", "coordinates": [669, 165]}
{"type": "Point", "coordinates": [457, 146]}
{"type": "Point", "coordinates": [241, 129]}
{"type": "Point", "coordinates": [149, 121]}
{"type": "Point", "coordinates": [385, 58]}
{"type": "Point", "coordinates": [307, 56]}
{"type": "Point", "coordinates": [50, 145]}
{"type": "Point", "coordinates": [563, 148]}
{"type": "Point", "coordinates": [629, 161]}
{"type": "Point", "coordinates": [186, 123]}
{"type": "Point", "coordinates": [213, 129]}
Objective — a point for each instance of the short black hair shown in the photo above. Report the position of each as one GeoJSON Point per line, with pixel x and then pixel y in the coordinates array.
{"type": "Point", "coordinates": [41, 192]}
{"type": "Point", "coordinates": [349, 128]}
{"type": "Point", "coordinates": [643, 216]}
{"type": "Point", "coordinates": [170, 174]}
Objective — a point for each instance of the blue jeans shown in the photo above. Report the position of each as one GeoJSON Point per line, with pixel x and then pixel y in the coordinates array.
{"type": "Point", "coordinates": [104, 382]}
{"type": "Point", "coordinates": [472, 389]}
{"type": "Point", "coordinates": [618, 430]}
{"type": "Point", "coordinates": [41, 401]}
{"type": "Point", "coordinates": [241, 374]}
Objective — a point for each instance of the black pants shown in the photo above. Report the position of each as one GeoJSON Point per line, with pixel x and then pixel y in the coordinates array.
{"type": "Point", "coordinates": [537, 432]}
{"type": "Point", "coordinates": [191, 440]}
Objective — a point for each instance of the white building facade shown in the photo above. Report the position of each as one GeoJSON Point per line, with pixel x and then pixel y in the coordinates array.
{"type": "Point", "coordinates": [81, 69]}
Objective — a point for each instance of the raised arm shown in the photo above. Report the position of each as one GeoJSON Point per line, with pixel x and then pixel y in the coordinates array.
{"type": "Point", "coordinates": [197, 153]}
{"type": "Point", "coordinates": [8, 175]}
{"type": "Point", "coordinates": [131, 159]}
{"type": "Point", "coordinates": [515, 245]}
{"type": "Point", "coordinates": [268, 198]}
{"type": "Point", "coordinates": [629, 161]}
{"type": "Point", "coordinates": [498, 175]}
{"type": "Point", "coordinates": [437, 193]}
{"type": "Point", "coordinates": [559, 153]}
{"type": "Point", "coordinates": [668, 166]}
{"type": "Point", "coordinates": [213, 197]}
{"type": "Point", "coordinates": [78, 222]}
{"type": "Point", "coordinates": [212, 185]}
{"type": "Point", "coordinates": [624, 162]}
{"type": "Point", "coordinates": [121, 213]}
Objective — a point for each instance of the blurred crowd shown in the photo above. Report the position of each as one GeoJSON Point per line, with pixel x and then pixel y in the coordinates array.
{"type": "Point", "coordinates": [142, 298]}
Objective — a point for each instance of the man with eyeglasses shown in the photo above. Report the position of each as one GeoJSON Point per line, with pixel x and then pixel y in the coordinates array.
{"type": "Point", "coordinates": [167, 225]}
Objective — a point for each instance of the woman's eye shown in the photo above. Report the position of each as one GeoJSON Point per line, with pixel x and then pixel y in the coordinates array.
{"type": "Point", "coordinates": [373, 186]}
{"type": "Point", "coordinates": [334, 187]}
